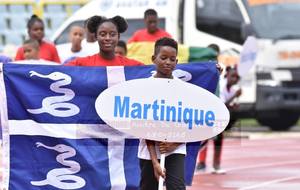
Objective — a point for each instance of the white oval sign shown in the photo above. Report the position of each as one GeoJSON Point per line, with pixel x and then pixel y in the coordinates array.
{"type": "Point", "coordinates": [163, 110]}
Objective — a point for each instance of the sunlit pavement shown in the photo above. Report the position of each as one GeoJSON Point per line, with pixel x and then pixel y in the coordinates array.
{"type": "Point", "coordinates": [258, 160]}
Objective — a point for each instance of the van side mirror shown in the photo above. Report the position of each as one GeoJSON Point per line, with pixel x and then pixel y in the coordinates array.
{"type": "Point", "coordinates": [247, 30]}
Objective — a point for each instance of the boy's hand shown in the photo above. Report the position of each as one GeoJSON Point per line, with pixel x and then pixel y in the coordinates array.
{"type": "Point", "coordinates": [158, 171]}
{"type": "Point", "coordinates": [219, 68]}
{"type": "Point", "coordinates": [238, 92]}
{"type": "Point", "coordinates": [233, 106]}
{"type": "Point", "coordinates": [165, 147]}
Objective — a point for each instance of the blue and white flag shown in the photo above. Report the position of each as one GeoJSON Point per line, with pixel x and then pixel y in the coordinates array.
{"type": "Point", "coordinates": [53, 137]}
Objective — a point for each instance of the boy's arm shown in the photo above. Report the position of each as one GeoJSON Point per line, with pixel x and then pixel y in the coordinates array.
{"type": "Point", "coordinates": [156, 166]}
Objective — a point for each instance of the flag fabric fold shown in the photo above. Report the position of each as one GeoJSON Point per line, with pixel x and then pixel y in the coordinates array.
{"type": "Point", "coordinates": [142, 51]}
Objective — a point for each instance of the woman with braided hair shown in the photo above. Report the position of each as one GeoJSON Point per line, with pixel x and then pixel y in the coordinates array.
{"type": "Point", "coordinates": [107, 32]}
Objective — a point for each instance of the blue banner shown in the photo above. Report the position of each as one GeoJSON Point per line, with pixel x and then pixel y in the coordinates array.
{"type": "Point", "coordinates": [55, 138]}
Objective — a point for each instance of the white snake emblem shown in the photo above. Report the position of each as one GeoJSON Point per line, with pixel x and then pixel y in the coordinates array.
{"type": "Point", "coordinates": [61, 178]}
{"type": "Point", "coordinates": [57, 105]}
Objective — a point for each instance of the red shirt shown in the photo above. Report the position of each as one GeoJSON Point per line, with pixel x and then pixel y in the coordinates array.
{"type": "Point", "coordinates": [144, 36]}
{"type": "Point", "coordinates": [97, 60]}
{"type": "Point", "coordinates": [47, 52]}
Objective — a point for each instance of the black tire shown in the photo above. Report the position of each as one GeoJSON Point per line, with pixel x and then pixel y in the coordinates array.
{"type": "Point", "coordinates": [282, 121]}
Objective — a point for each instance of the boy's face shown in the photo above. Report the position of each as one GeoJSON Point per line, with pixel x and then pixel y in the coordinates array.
{"type": "Point", "coordinates": [120, 51]}
{"type": "Point", "coordinates": [151, 22]}
{"type": "Point", "coordinates": [76, 35]}
{"type": "Point", "coordinates": [165, 61]}
{"type": "Point", "coordinates": [232, 77]}
{"type": "Point", "coordinates": [30, 52]}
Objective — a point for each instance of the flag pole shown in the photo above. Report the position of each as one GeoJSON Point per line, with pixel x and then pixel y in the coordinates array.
{"type": "Point", "coordinates": [162, 166]}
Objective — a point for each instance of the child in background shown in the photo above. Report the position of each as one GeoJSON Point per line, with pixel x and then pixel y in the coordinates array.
{"type": "Point", "coordinates": [89, 43]}
{"type": "Point", "coordinates": [31, 49]}
{"type": "Point", "coordinates": [121, 48]}
{"type": "Point", "coordinates": [31, 53]}
{"type": "Point", "coordinates": [165, 59]}
{"type": "Point", "coordinates": [74, 48]}
{"type": "Point", "coordinates": [228, 93]}
{"type": "Point", "coordinates": [47, 51]}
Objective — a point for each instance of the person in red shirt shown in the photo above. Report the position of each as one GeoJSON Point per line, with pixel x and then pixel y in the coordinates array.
{"type": "Point", "coordinates": [107, 32]}
{"type": "Point", "coordinates": [151, 33]}
{"type": "Point", "coordinates": [47, 51]}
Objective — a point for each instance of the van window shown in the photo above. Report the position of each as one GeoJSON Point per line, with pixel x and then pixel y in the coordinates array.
{"type": "Point", "coordinates": [275, 20]}
{"type": "Point", "coordinates": [220, 18]}
{"type": "Point", "coordinates": [133, 25]}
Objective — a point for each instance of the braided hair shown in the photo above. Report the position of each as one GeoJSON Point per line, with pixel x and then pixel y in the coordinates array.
{"type": "Point", "coordinates": [34, 18]}
{"type": "Point", "coordinates": [94, 22]}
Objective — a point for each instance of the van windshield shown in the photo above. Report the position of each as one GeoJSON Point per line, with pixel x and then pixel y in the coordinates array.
{"type": "Point", "coordinates": [133, 25]}
{"type": "Point", "coordinates": [276, 20]}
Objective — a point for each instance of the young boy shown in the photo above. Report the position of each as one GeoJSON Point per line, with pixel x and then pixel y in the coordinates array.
{"type": "Point", "coordinates": [165, 59]}
{"type": "Point", "coordinates": [74, 48]}
{"type": "Point", "coordinates": [121, 48]}
{"type": "Point", "coordinates": [31, 49]}
{"type": "Point", "coordinates": [227, 94]}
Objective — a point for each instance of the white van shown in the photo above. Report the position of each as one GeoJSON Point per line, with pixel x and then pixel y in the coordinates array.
{"type": "Point", "coordinates": [271, 91]}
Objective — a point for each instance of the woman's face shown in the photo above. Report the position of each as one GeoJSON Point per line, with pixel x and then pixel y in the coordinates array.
{"type": "Point", "coordinates": [107, 36]}
{"type": "Point", "coordinates": [36, 31]}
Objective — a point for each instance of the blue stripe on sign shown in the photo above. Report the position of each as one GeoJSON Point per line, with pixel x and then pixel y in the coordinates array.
{"type": "Point", "coordinates": [31, 163]}
{"type": "Point", "coordinates": [131, 163]}
{"type": "Point", "coordinates": [25, 92]}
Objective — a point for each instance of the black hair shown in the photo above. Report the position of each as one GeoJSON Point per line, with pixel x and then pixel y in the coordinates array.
{"type": "Point", "coordinates": [32, 20]}
{"type": "Point", "coordinates": [214, 47]}
{"type": "Point", "coordinates": [86, 21]}
{"type": "Point", "coordinates": [149, 12]}
{"type": "Point", "coordinates": [33, 42]}
{"type": "Point", "coordinates": [165, 41]}
{"type": "Point", "coordinates": [122, 44]}
{"type": "Point", "coordinates": [95, 21]}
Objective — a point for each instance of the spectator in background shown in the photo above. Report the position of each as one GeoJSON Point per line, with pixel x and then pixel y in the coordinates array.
{"type": "Point", "coordinates": [107, 32]}
{"type": "Point", "coordinates": [89, 44]}
{"type": "Point", "coordinates": [121, 48]}
{"type": "Point", "coordinates": [74, 48]}
{"type": "Point", "coordinates": [228, 93]}
{"type": "Point", "coordinates": [31, 51]}
{"type": "Point", "coordinates": [47, 51]}
{"type": "Point", "coordinates": [151, 32]}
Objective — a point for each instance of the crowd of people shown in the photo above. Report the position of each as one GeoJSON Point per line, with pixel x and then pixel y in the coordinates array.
{"type": "Point", "coordinates": [98, 43]}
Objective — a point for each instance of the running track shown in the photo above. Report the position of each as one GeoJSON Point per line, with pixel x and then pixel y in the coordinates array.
{"type": "Point", "coordinates": [260, 164]}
